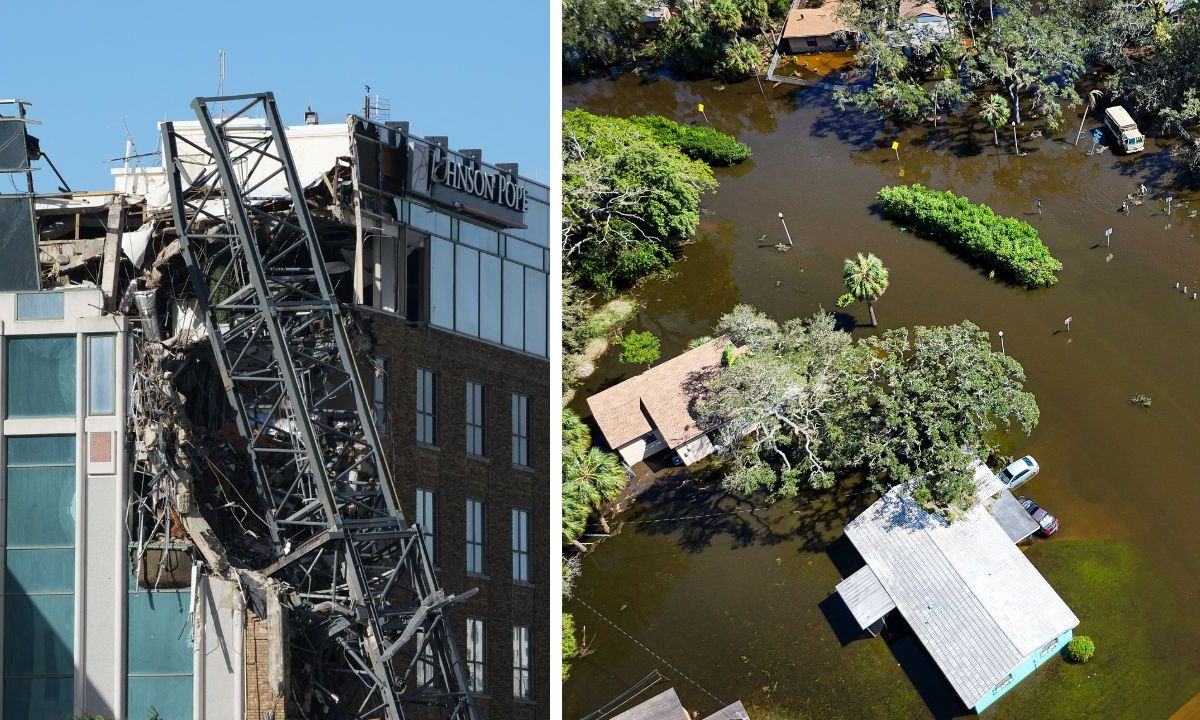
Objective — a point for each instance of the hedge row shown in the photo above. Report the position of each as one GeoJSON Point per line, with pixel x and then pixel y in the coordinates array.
{"type": "Point", "coordinates": [698, 142]}
{"type": "Point", "coordinates": [1007, 245]}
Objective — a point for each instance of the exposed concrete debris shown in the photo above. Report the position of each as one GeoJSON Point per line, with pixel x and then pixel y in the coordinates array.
{"type": "Point", "coordinates": [348, 621]}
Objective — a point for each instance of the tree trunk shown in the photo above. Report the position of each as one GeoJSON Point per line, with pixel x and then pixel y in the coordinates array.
{"type": "Point", "coordinates": [579, 546]}
{"type": "Point", "coordinates": [991, 13]}
{"type": "Point", "coordinates": [996, 136]}
{"type": "Point", "coordinates": [871, 310]}
{"type": "Point", "coordinates": [604, 523]}
{"type": "Point", "coordinates": [1081, 122]}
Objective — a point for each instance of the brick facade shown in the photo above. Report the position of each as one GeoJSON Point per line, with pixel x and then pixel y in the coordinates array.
{"type": "Point", "coordinates": [447, 470]}
{"type": "Point", "coordinates": [261, 701]}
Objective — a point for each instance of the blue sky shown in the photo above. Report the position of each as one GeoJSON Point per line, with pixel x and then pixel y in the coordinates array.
{"type": "Point", "coordinates": [473, 70]}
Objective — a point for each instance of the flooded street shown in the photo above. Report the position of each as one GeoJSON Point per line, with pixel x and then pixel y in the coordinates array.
{"type": "Point", "coordinates": [741, 606]}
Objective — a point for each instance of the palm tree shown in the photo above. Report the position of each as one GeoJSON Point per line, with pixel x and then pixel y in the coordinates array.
{"type": "Point", "coordinates": [866, 280]}
{"type": "Point", "coordinates": [994, 111]}
{"type": "Point", "coordinates": [592, 478]}
{"type": "Point", "coordinates": [1093, 97]}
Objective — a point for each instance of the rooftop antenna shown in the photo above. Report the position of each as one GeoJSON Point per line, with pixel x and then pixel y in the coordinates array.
{"type": "Point", "coordinates": [221, 82]}
{"type": "Point", "coordinates": [367, 102]}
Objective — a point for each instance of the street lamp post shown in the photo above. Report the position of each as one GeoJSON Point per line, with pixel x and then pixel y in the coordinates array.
{"type": "Point", "coordinates": [1001, 334]}
{"type": "Point", "coordinates": [785, 230]}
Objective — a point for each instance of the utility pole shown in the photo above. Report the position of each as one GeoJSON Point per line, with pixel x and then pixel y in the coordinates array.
{"type": "Point", "coordinates": [1001, 334]}
{"type": "Point", "coordinates": [1016, 147]}
{"type": "Point", "coordinates": [1108, 238]}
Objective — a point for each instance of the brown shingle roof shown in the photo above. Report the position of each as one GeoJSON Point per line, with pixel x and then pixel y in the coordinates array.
{"type": "Point", "coordinates": [805, 22]}
{"type": "Point", "coordinates": [661, 398]}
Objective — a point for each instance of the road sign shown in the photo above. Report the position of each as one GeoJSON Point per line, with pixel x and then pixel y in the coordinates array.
{"type": "Point", "coordinates": [1068, 320]}
{"type": "Point", "coordinates": [895, 144]}
{"type": "Point", "coordinates": [1108, 232]}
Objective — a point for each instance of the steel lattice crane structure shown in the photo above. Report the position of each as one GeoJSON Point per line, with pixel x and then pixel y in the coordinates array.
{"type": "Point", "coordinates": [364, 599]}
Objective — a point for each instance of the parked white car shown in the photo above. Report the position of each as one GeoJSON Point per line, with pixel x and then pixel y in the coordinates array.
{"type": "Point", "coordinates": [1019, 472]}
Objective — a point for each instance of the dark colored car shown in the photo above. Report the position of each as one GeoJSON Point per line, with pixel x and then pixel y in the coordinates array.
{"type": "Point", "coordinates": [1047, 523]}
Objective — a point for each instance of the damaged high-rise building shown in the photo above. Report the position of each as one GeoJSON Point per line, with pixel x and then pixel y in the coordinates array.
{"type": "Point", "coordinates": [275, 433]}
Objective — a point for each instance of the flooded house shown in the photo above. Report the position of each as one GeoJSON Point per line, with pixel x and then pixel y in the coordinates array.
{"type": "Point", "coordinates": [666, 706]}
{"type": "Point", "coordinates": [656, 411]}
{"type": "Point", "coordinates": [984, 613]}
{"type": "Point", "coordinates": [923, 22]}
{"type": "Point", "coordinates": [815, 29]}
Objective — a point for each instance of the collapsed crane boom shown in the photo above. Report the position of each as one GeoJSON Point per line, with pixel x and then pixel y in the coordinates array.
{"type": "Point", "coordinates": [364, 593]}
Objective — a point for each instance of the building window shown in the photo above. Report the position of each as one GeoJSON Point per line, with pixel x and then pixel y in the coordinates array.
{"type": "Point", "coordinates": [159, 653]}
{"type": "Point", "coordinates": [1049, 647]}
{"type": "Point", "coordinates": [426, 407]}
{"type": "Point", "coordinates": [379, 393]}
{"type": "Point", "coordinates": [475, 419]}
{"type": "Point", "coordinates": [426, 518]}
{"type": "Point", "coordinates": [521, 674]}
{"type": "Point", "coordinates": [475, 537]}
{"type": "Point", "coordinates": [41, 377]}
{"type": "Point", "coordinates": [39, 587]}
{"type": "Point", "coordinates": [425, 662]}
{"type": "Point", "coordinates": [1000, 686]}
{"type": "Point", "coordinates": [102, 376]}
{"type": "Point", "coordinates": [811, 43]}
{"type": "Point", "coordinates": [520, 430]}
{"type": "Point", "coordinates": [520, 545]}
{"type": "Point", "coordinates": [475, 654]}
{"type": "Point", "coordinates": [40, 306]}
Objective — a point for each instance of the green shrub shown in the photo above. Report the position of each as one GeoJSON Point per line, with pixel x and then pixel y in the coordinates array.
{"type": "Point", "coordinates": [1009, 245]}
{"type": "Point", "coordinates": [1080, 649]}
{"type": "Point", "coordinates": [727, 356]}
{"type": "Point", "coordinates": [570, 646]}
{"type": "Point", "coordinates": [639, 348]}
{"type": "Point", "coordinates": [698, 142]}
{"type": "Point", "coordinates": [778, 8]}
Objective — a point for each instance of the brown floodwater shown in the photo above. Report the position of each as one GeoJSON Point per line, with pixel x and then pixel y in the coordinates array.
{"type": "Point", "coordinates": [740, 606]}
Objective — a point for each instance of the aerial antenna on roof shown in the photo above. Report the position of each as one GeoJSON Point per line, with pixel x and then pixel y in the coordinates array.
{"type": "Point", "coordinates": [221, 82]}
{"type": "Point", "coordinates": [367, 102]}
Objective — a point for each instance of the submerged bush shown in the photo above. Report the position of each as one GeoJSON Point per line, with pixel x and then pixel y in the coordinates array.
{"type": "Point", "coordinates": [698, 142]}
{"type": "Point", "coordinates": [1006, 244]}
{"type": "Point", "coordinates": [1080, 649]}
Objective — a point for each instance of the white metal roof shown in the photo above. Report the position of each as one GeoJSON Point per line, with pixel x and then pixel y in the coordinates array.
{"type": "Point", "coordinates": [864, 595]}
{"type": "Point", "coordinates": [972, 597]}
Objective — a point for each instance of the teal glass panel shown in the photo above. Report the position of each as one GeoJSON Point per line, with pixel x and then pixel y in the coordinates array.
{"type": "Point", "coordinates": [41, 377]}
{"type": "Point", "coordinates": [40, 306]}
{"type": "Point", "coordinates": [168, 695]}
{"type": "Point", "coordinates": [102, 377]}
{"type": "Point", "coordinates": [49, 698]}
{"type": "Point", "coordinates": [39, 571]}
{"type": "Point", "coordinates": [41, 450]}
{"type": "Point", "coordinates": [38, 636]}
{"type": "Point", "coordinates": [41, 506]}
{"type": "Point", "coordinates": [160, 633]}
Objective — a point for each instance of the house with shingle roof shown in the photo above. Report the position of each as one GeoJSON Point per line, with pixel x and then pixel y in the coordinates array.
{"type": "Point", "coordinates": [985, 614]}
{"type": "Point", "coordinates": [656, 410]}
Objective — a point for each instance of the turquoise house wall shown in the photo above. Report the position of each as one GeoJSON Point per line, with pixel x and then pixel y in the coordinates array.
{"type": "Point", "coordinates": [1031, 662]}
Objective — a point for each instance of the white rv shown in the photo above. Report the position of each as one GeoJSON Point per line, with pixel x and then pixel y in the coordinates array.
{"type": "Point", "coordinates": [1124, 129]}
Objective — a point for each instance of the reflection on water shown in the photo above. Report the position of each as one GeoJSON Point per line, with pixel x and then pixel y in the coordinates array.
{"type": "Point", "coordinates": [742, 607]}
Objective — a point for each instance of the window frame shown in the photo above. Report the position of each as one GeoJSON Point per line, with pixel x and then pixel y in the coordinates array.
{"type": "Point", "coordinates": [522, 672]}
{"type": "Point", "coordinates": [427, 510]}
{"type": "Point", "coordinates": [520, 546]}
{"type": "Point", "coordinates": [476, 537]}
{"type": "Point", "coordinates": [520, 430]}
{"type": "Point", "coordinates": [426, 427]}
{"type": "Point", "coordinates": [476, 419]}
{"type": "Point", "coordinates": [476, 655]}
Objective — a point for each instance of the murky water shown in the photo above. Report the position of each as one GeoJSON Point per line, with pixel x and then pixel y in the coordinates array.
{"type": "Point", "coordinates": [740, 606]}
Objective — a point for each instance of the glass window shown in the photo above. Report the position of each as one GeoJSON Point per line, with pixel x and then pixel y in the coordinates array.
{"type": "Point", "coordinates": [523, 252]}
{"type": "Point", "coordinates": [520, 545]}
{"type": "Point", "coordinates": [41, 377]}
{"type": "Point", "coordinates": [379, 393]}
{"type": "Point", "coordinates": [514, 305]}
{"type": "Point", "coordinates": [466, 290]}
{"type": "Point", "coordinates": [39, 586]}
{"type": "Point", "coordinates": [535, 312]}
{"type": "Point", "coordinates": [441, 283]}
{"type": "Point", "coordinates": [159, 653]}
{"type": "Point", "coordinates": [521, 674]}
{"type": "Point", "coordinates": [429, 220]}
{"type": "Point", "coordinates": [40, 306]}
{"type": "Point", "coordinates": [102, 375]}
{"type": "Point", "coordinates": [426, 407]}
{"type": "Point", "coordinates": [478, 237]}
{"type": "Point", "coordinates": [427, 519]}
{"type": "Point", "coordinates": [475, 654]}
{"type": "Point", "coordinates": [537, 222]}
{"type": "Point", "coordinates": [475, 424]}
{"type": "Point", "coordinates": [475, 537]}
{"type": "Point", "coordinates": [489, 297]}
{"type": "Point", "coordinates": [520, 430]}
